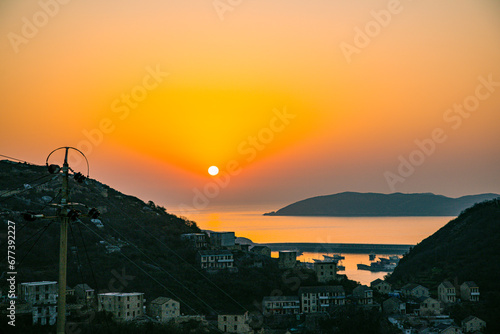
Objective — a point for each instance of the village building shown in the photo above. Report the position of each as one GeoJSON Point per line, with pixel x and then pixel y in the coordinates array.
{"type": "Point", "coordinates": [123, 306]}
{"type": "Point", "coordinates": [326, 271]}
{"type": "Point", "coordinates": [446, 292]}
{"type": "Point", "coordinates": [394, 305]}
{"type": "Point", "coordinates": [234, 323]}
{"type": "Point", "coordinates": [363, 295]}
{"type": "Point", "coordinates": [220, 240]}
{"type": "Point", "coordinates": [381, 286]}
{"type": "Point", "coordinates": [164, 309]}
{"type": "Point", "coordinates": [473, 324]}
{"type": "Point", "coordinates": [215, 259]}
{"type": "Point", "coordinates": [315, 299]}
{"type": "Point", "coordinates": [469, 291]}
{"type": "Point", "coordinates": [429, 306]}
{"type": "Point", "coordinates": [41, 298]}
{"type": "Point", "coordinates": [262, 250]}
{"type": "Point", "coordinates": [287, 259]}
{"type": "Point", "coordinates": [84, 293]}
{"type": "Point", "coordinates": [413, 290]}
{"type": "Point", "coordinates": [197, 240]}
{"type": "Point", "coordinates": [272, 305]}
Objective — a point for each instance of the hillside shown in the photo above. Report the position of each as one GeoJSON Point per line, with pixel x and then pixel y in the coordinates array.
{"type": "Point", "coordinates": [151, 258]}
{"type": "Point", "coordinates": [465, 249]}
{"type": "Point", "coordinates": [353, 204]}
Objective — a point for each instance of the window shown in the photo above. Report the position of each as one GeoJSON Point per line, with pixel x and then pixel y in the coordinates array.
{"type": "Point", "coordinates": [235, 319]}
{"type": "Point", "coordinates": [235, 327]}
{"type": "Point", "coordinates": [128, 305]}
{"type": "Point", "coordinates": [225, 318]}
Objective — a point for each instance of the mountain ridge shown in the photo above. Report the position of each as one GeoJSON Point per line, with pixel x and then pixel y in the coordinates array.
{"type": "Point", "coordinates": [370, 204]}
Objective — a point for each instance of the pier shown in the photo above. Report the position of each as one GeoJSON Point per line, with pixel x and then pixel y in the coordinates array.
{"type": "Point", "coordinates": [340, 248]}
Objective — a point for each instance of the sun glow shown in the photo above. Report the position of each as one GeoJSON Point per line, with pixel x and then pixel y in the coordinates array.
{"type": "Point", "coordinates": [213, 170]}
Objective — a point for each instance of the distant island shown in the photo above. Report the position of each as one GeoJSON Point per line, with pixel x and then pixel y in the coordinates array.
{"type": "Point", "coordinates": [354, 204]}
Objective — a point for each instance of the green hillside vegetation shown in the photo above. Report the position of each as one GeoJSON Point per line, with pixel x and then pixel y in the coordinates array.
{"type": "Point", "coordinates": [153, 259]}
{"type": "Point", "coordinates": [465, 249]}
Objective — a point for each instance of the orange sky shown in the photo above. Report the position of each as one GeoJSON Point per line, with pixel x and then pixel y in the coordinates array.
{"type": "Point", "coordinates": [155, 92]}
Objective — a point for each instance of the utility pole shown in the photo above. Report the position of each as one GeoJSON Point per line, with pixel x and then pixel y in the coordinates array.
{"type": "Point", "coordinates": [66, 214]}
{"type": "Point", "coordinates": [63, 248]}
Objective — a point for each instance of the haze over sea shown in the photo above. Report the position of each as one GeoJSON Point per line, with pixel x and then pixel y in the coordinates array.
{"type": "Point", "coordinates": [250, 223]}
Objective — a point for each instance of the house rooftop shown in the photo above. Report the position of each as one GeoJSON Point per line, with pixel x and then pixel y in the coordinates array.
{"type": "Point", "coordinates": [377, 282]}
{"type": "Point", "coordinates": [83, 286]}
{"type": "Point", "coordinates": [259, 248]}
{"type": "Point", "coordinates": [161, 300]}
{"type": "Point", "coordinates": [321, 289]}
{"type": "Point", "coordinates": [121, 294]}
{"type": "Point", "coordinates": [448, 285]}
{"type": "Point", "coordinates": [39, 283]}
{"type": "Point", "coordinates": [469, 318]}
{"type": "Point", "coordinates": [394, 299]}
{"type": "Point", "coordinates": [216, 252]}
{"type": "Point", "coordinates": [412, 286]}
{"type": "Point", "coordinates": [470, 284]}
{"type": "Point", "coordinates": [281, 299]}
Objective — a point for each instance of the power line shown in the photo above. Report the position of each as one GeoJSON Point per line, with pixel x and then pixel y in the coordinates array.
{"type": "Point", "coordinates": [93, 275]}
{"type": "Point", "coordinates": [36, 241]}
{"type": "Point", "coordinates": [131, 261]}
{"type": "Point", "coordinates": [175, 253]}
{"type": "Point", "coordinates": [11, 158]}
{"type": "Point", "coordinates": [3, 199]}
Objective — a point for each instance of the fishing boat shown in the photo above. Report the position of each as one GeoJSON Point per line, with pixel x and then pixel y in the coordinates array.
{"type": "Point", "coordinates": [334, 257]}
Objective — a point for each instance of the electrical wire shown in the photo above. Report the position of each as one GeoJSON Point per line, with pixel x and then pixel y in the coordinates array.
{"type": "Point", "coordinates": [93, 276]}
{"type": "Point", "coordinates": [5, 156]}
{"type": "Point", "coordinates": [173, 252]}
{"type": "Point", "coordinates": [79, 264]}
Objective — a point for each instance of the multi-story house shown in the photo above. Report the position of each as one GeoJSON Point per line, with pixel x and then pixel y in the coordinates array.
{"type": "Point", "coordinates": [84, 293]}
{"type": "Point", "coordinates": [281, 305]}
{"type": "Point", "coordinates": [429, 306]}
{"type": "Point", "coordinates": [381, 286]}
{"type": "Point", "coordinates": [215, 259]}
{"type": "Point", "coordinates": [321, 298]}
{"type": "Point", "coordinates": [394, 306]}
{"type": "Point", "coordinates": [326, 271]}
{"type": "Point", "coordinates": [42, 299]}
{"type": "Point", "coordinates": [234, 323]}
{"type": "Point", "coordinates": [287, 259]}
{"type": "Point", "coordinates": [197, 240]}
{"type": "Point", "coordinates": [473, 324]}
{"type": "Point", "coordinates": [222, 239]}
{"type": "Point", "coordinates": [123, 306]}
{"type": "Point", "coordinates": [164, 309]}
{"type": "Point", "coordinates": [363, 295]}
{"type": "Point", "coordinates": [414, 290]}
{"type": "Point", "coordinates": [469, 291]}
{"type": "Point", "coordinates": [446, 292]}
{"type": "Point", "coordinates": [262, 250]}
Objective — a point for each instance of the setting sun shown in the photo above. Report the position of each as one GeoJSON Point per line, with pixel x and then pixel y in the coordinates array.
{"type": "Point", "coordinates": [213, 170]}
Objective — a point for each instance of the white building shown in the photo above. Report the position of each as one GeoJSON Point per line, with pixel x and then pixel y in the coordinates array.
{"type": "Point", "coordinates": [42, 298]}
{"type": "Point", "coordinates": [215, 259]}
{"type": "Point", "coordinates": [123, 306]}
{"type": "Point", "coordinates": [321, 298]}
{"type": "Point", "coordinates": [164, 309]}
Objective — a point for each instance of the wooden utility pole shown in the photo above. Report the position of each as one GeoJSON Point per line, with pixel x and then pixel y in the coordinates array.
{"type": "Point", "coordinates": [63, 248]}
